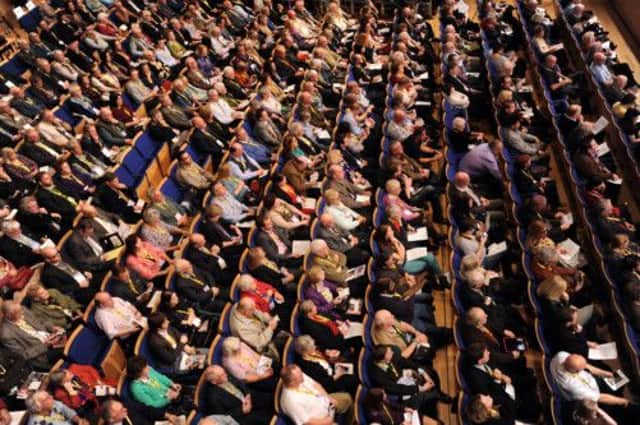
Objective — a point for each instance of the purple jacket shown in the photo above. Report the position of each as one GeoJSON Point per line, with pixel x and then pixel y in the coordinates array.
{"type": "Point", "coordinates": [311, 293]}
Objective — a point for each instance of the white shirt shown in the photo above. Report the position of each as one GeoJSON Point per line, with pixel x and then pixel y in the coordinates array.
{"type": "Point", "coordinates": [344, 217]}
{"type": "Point", "coordinates": [573, 386]}
{"type": "Point", "coordinates": [119, 319]}
{"type": "Point", "coordinates": [222, 111]}
{"type": "Point", "coordinates": [304, 403]}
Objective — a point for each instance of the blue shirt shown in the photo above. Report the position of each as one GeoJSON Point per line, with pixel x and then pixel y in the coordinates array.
{"type": "Point", "coordinates": [601, 73]}
{"type": "Point", "coordinates": [480, 161]}
{"type": "Point", "coordinates": [60, 415]}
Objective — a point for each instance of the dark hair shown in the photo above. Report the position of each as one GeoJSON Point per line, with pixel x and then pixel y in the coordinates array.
{"type": "Point", "coordinates": [156, 320]}
{"type": "Point", "coordinates": [135, 366]}
{"type": "Point", "coordinates": [85, 224]}
{"type": "Point", "coordinates": [475, 351]}
{"type": "Point", "coordinates": [269, 201]}
{"type": "Point", "coordinates": [165, 300]}
{"type": "Point", "coordinates": [373, 400]}
{"type": "Point", "coordinates": [379, 352]}
{"type": "Point", "coordinates": [130, 245]}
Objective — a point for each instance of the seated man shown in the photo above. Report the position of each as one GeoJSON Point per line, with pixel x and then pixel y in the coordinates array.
{"type": "Point", "coordinates": [85, 251]}
{"type": "Point", "coordinates": [341, 240]}
{"type": "Point", "coordinates": [348, 191]}
{"type": "Point", "coordinates": [387, 330]}
{"type": "Point", "coordinates": [43, 409]}
{"type": "Point", "coordinates": [254, 327]}
{"type": "Point", "coordinates": [482, 166]}
{"type": "Point", "coordinates": [304, 401]}
{"type": "Point", "coordinates": [198, 289]}
{"type": "Point", "coordinates": [114, 197]}
{"type": "Point", "coordinates": [225, 395]}
{"type": "Point", "coordinates": [21, 333]}
{"type": "Point", "coordinates": [467, 203]}
{"type": "Point", "coordinates": [192, 177]}
{"type": "Point", "coordinates": [116, 317]}
{"type": "Point", "coordinates": [62, 276]}
{"type": "Point", "coordinates": [578, 380]}
{"type": "Point", "coordinates": [17, 247]}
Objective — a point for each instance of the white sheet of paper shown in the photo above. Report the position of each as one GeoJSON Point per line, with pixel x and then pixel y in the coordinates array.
{"type": "Point", "coordinates": [323, 134]}
{"type": "Point", "coordinates": [309, 203]}
{"type": "Point", "coordinates": [356, 272]}
{"type": "Point", "coordinates": [16, 417]}
{"type": "Point", "coordinates": [263, 364]}
{"type": "Point", "coordinates": [19, 12]}
{"type": "Point", "coordinates": [422, 103]}
{"type": "Point", "coordinates": [187, 360]}
{"type": "Point", "coordinates": [600, 125]}
{"type": "Point", "coordinates": [421, 234]}
{"type": "Point", "coordinates": [343, 292]}
{"type": "Point", "coordinates": [570, 257]}
{"type": "Point", "coordinates": [618, 381]}
{"type": "Point", "coordinates": [246, 224]}
{"type": "Point", "coordinates": [154, 301]}
{"type": "Point", "coordinates": [497, 248]}
{"type": "Point", "coordinates": [374, 67]}
{"type": "Point", "coordinates": [423, 76]}
{"type": "Point", "coordinates": [567, 219]}
{"type": "Point", "coordinates": [415, 253]}
{"type": "Point", "coordinates": [347, 367]}
{"type": "Point", "coordinates": [608, 351]}
{"type": "Point", "coordinates": [289, 89]}
{"type": "Point", "coordinates": [355, 306]}
{"type": "Point", "coordinates": [615, 181]}
{"type": "Point", "coordinates": [356, 330]}
{"type": "Point", "coordinates": [30, 5]}
{"type": "Point", "coordinates": [300, 247]}
{"type": "Point", "coordinates": [362, 198]}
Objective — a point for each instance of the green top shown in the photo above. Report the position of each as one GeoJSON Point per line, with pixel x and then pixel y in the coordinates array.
{"type": "Point", "coordinates": [58, 311]}
{"type": "Point", "coordinates": [152, 391]}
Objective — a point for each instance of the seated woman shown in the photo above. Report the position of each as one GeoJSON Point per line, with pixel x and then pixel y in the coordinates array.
{"type": "Point", "coordinates": [12, 277]}
{"type": "Point", "coordinates": [169, 350]}
{"type": "Point", "coordinates": [488, 283]}
{"type": "Point", "coordinates": [293, 149]}
{"type": "Point", "coordinates": [379, 410]}
{"type": "Point", "coordinates": [143, 258]}
{"type": "Point", "coordinates": [392, 196]}
{"type": "Point", "coordinates": [287, 216]}
{"type": "Point", "coordinates": [243, 363]}
{"type": "Point", "coordinates": [200, 328]}
{"type": "Point", "coordinates": [158, 233]}
{"type": "Point", "coordinates": [482, 411]}
{"type": "Point", "coordinates": [553, 296]}
{"type": "Point", "coordinates": [323, 368]}
{"type": "Point", "coordinates": [284, 190]}
{"type": "Point", "coordinates": [419, 391]}
{"type": "Point", "coordinates": [235, 185]}
{"type": "Point", "coordinates": [75, 386]}
{"type": "Point", "coordinates": [327, 333]}
{"type": "Point", "coordinates": [323, 293]}
{"type": "Point", "coordinates": [151, 388]}
{"type": "Point", "coordinates": [344, 217]}
{"type": "Point", "coordinates": [265, 296]}
{"type": "Point", "coordinates": [387, 241]}
{"type": "Point", "coordinates": [546, 264]}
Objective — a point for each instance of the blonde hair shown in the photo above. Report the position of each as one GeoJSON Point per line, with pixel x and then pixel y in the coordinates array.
{"type": "Point", "coordinates": [314, 274]}
{"type": "Point", "coordinates": [552, 288]}
{"type": "Point", "coordinates": [331, 196]}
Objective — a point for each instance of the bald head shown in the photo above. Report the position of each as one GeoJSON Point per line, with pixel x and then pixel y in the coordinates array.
{"type": "Point", "coordinates": [575, 363]}
{"type": "Point", "coordinates": [461, 179]}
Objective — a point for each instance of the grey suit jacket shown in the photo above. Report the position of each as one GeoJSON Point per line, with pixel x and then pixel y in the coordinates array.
{"type": "Point", "coordinates": [18, 341]}
{"type": "Point", "coordinates": [334, 238]}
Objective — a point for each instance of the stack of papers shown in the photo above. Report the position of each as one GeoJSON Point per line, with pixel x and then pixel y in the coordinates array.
{"type": "Point", "coordinates": [346, 367]}
{"type": "Point", "coordinates": [17, 416]}
{"type": "Point", "coordinates": [189, 361]}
